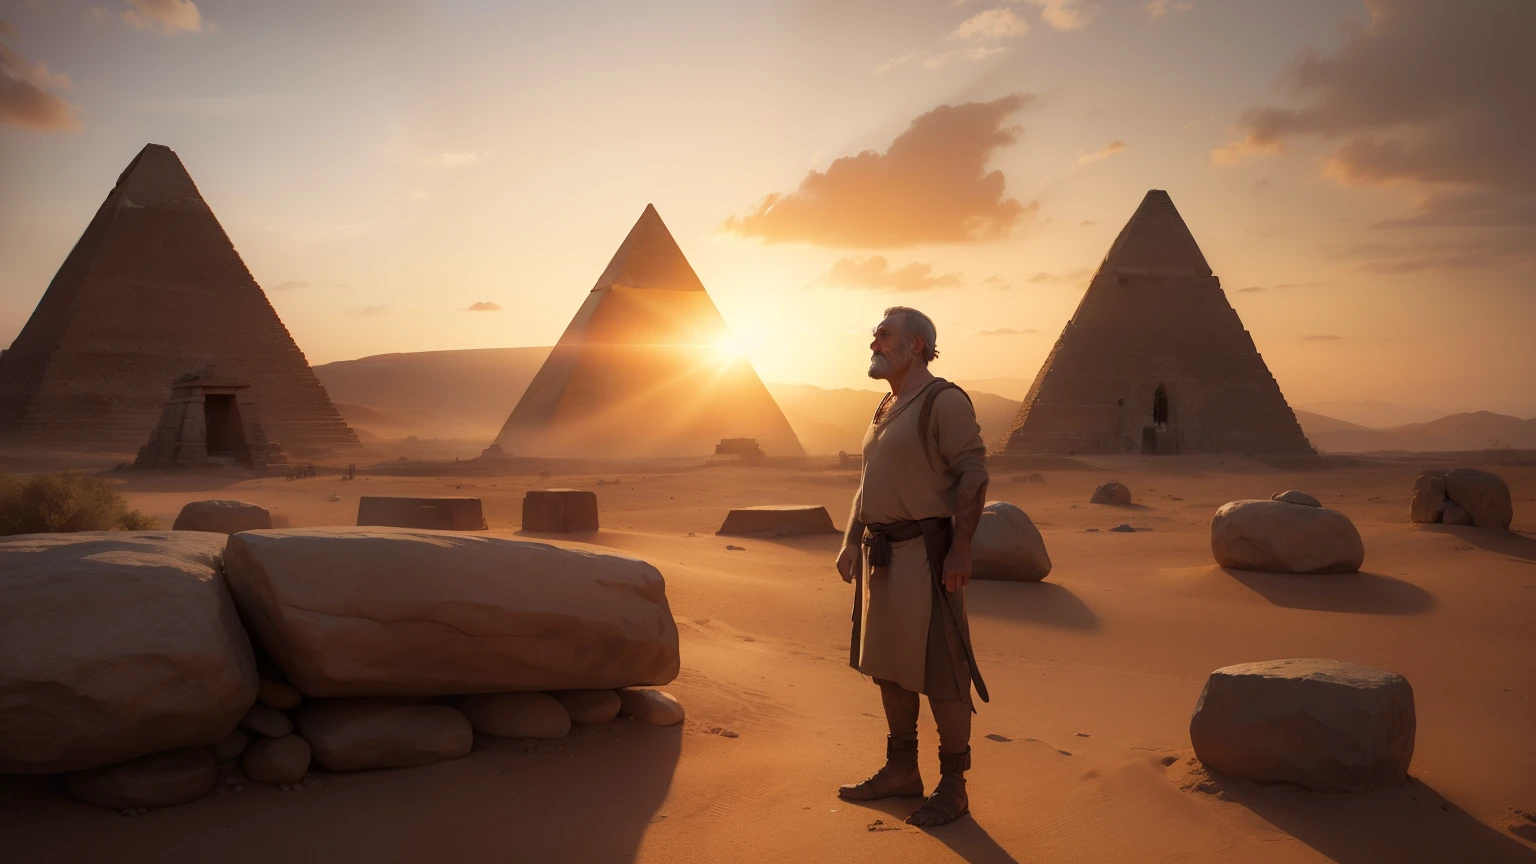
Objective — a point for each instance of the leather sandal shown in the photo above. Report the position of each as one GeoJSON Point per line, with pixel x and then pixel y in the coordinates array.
{"type": "Point", "coordinates": [899, 778]}
{"type": "Point", "coordinates": [948, 801]}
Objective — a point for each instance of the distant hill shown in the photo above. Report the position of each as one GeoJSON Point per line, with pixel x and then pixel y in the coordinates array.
{"type": "Point", "coordinates": [1373, 414]}
{"type": "Point", "coordinates": [1008, 388]}
{"type": "Point", "coordinates": [440, 394]}
{"type": "Point", "coordinates": [1472, 431]}
{"type": "Point", "coordinates": [831, 420]}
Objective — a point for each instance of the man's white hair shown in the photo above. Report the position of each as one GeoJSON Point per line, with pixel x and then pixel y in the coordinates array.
{"type": "Point", "coordinates": [915, 323]}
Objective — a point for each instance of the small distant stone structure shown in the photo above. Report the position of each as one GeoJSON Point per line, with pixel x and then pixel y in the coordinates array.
{"type": "Point", "coordinates": [778, 520]}
{"type": "Point", "coordinates": [494, 452]}
{"type": "Point", "coordinates": [439, 514]}
{"type": "Point", "coordinates": [1155, 360]}
{"type": "Point", "coordinates": [560, 511]}
{"type": "Point", "coordinates": [745, 448]}
{"type": "Point", "coordinates": [209, 419]}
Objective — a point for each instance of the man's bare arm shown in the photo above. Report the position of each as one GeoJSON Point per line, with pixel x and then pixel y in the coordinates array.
{"type": "Point", "coordinates": [853, 539]}
{"type": "Point", "coordinates": [971, 497]}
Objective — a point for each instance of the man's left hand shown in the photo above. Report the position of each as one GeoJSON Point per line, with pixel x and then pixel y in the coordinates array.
{"type": "Point", "coordinates": [957, 569]}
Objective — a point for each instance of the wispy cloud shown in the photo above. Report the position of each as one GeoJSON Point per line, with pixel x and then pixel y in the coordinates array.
{"type": "Point", "coordinates": [930, 186]}
{"type": "Point", "coordinates": [372, 311]}
{"type": "Point", "coordinates": [1005, 331]}
{"type": "Point", "coordinates": [1087, 223]}
{"type": "Point", "coordinates": [1067, 14]}
{"type": "Point", "coordinates": [166, 16]}
{"type": "Point", "coordinates": [877, 274]}
{"type": "Point", "coordinates": [25, 97]}
{"type": "Point", "coordinates": [1322, 337]}
{"type": "Point", "coordinates": [453, 159]}
{"type": "Point", "coordinates": [483, 306]}
{"type": "Point", "coordinates": [935, 59]}
{"type": "Point", "coordinates": [1076, 276]}
{"type": "Point", "coordinates": [1100, 154]}
{"type": "Point", "coordinates": [1160, 8]}
{"type": "Point", "coordinates": [290, 285]}
{"type": "Point", "coordinates": [991, 25]}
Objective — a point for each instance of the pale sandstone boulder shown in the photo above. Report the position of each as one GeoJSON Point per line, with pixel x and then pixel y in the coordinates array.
{"type": "Point", "coordinates": [266, 722]}
{"type": "Point", "coordinates": [156, 780]}
{"type": "Point", "coordinates": [1007, 546]}
{"type": "Point", "coordinates": [1454, 514]}
{"type": "Point", "coordinates": [656, 707]}
{"type": "Point", "coordinates": [1428, 504]}
{"type": "Point", "coordinates": [277, 695]}
{"type": "Point", "coordinates": [277, 760]}
{"type": "Point", "coordinates": [1322, 724]}
{"type": "Point", "coordinates": [1484, 496]}
{"type": "Point", "coordinates": [406, 612]}
{"type": "Point", "coordinates": [1279, 537]}
{"type": "Point", "coordinates": [588, 707]}
{"type": "Point", "coordinates": [777, 520]}
{"type": "Point", "coordinates": [517, 715]}
{"type": "Point", "coordinates": [1296, 496]}
{"type": "Point", "coordinates": [1114, 492]}
{"type": "Point", "coordinates": [231, 747]}
{"type": "Point", "coordinates": [222, 517]}
{"type": "Point", "coordinates": [114, 645]}
{"type": "Point", "coordinates": [360, 734]}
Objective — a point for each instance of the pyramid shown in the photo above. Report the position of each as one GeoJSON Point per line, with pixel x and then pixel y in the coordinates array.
{"type": "Point", "coordinates": [152, 287]}
{"type": "Point", "coordinates": [1155, 360]}
{"type": "Point", "coordinates": [639, 372]}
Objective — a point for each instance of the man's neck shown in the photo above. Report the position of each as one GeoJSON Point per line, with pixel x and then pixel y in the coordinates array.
{"type": "Point", "coordinates": [909, 381]}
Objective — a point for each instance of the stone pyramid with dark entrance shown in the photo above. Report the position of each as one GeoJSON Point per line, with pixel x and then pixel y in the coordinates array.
{"type": "Point", "coordinates": [1155, 360]}
{"type": "Point", "coordinates": [153, 286]}
{"type": "Point", "coordinates": [645, 369]}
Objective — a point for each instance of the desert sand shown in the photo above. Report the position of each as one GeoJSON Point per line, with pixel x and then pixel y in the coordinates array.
{"type": "Point", "coordinates": [1082, 755]}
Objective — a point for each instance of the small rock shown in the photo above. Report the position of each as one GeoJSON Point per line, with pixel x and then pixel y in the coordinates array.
{"type": "Point", "coordinates": [157, 780]}
{"type": "Point", "coordinates": [277, 695]}
{"type": "Point", "coordinates": [357, 734]}
{"type": "Point", "coordinates": [735, 548]}
{"type": "Point", "coordinates": [656, 707]}
{"type": "Point", "coordinates": [1114, 492]}
{"type": "Point", "coordinates": [517, 715]}
{"type": "Point", "coordinates": [222, 517]}
{"type": "Point", "coordinates": [1090, 530]}
{"type": "Point", "coordinates": [1295, 496]}
{"type": "Point", "coordinates": [588, 707]}
{"type": "Point", "coordinates": [277, 760]}
{"type": "Point", "coordinates": [265, 721]}
{"type": "Point", "coordinates": [1123, 528]}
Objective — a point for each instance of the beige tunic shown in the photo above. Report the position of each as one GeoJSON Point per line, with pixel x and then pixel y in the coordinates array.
{"type": "Point", "coordinates": [901, 482]}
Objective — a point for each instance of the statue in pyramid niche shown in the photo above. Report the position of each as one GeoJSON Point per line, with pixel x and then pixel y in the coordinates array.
{"type": "Point", "coordinates": [645, 370]}
{"type": "Point", "coordinates": [209, 420]}
{"type": "Point", "coordinates": [1155, 360]}
{"type": "Point", "coordinates": [151, 287]}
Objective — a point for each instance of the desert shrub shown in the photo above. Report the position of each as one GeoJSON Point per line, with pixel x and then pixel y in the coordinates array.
{"type": "Point", "coordinates": [54, 503]}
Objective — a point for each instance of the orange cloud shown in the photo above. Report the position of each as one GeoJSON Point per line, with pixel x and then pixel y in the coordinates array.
{"type": "Point", "coordinates": [876, 274]}
{"type": "Point", "coordinates": [483, 306]}
{"type": "Point", "coordinates": [25, 99]}
{"type": "Point", "coordinates": [168, 16]}
{"type": "Point", "coordinates": [1101, 154]}
{"type": "Point", "coordinates": [1067, 14]}
{"type": "Point", "coordinates": [1160, 8]}
{"type": "Point", "coordinates": [991, 25]}
{"type": "Point", "coordinates": [930, 186]}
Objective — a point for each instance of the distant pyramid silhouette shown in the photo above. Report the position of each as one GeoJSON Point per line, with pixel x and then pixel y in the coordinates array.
{"type": "Point", "coordinates": [152, 286]}
{"type": "Point", "coordinates": [1155, 359]}
{"type": "Point", "coordinates": [639, 370]}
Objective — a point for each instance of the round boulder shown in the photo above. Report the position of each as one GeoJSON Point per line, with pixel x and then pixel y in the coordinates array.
{"type": "Point", "coordinates": [656, 707]}
{"type": "Point", "coordinates": [1007, 546]}
{"type": "Point", "coordinates": [1428, 504]}
{"type": "Point", "coordinates": [222, 517]}
{"type": "Point", "coordinates": [1484, 496]}
{"type": "Point", "coordinates": [1296, 496]}
{"type": "Point", "coordinates": [1280, 537]}
{"type": "Point", "coordinates": [358, 734]}
{"type": "Point", "coordinates": [157, 780]}
{"type": "Point", "coordinates": [1114, 492]}
{"type": "Point", "coordinates": [267, 722]}
{"type": "Point", "coordinates": [1321, 724]}
{"type": "Point", "coordinates": [277, 760]}
{"type": "Point", "coordinates": [517, 715]}
{"type": "Point", "coordinates": [588, 707]}
{"type": "Point", "coordinates": [231, 747]}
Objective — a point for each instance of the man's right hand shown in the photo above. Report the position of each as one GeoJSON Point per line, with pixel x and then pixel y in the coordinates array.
{"type": "Point", "coordinates": [847, 561]}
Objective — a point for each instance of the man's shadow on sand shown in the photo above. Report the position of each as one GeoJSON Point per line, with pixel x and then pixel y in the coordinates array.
{"type": "Point", "coordinates": [1406, 823]}
{"type": "Point", "coordinates": [964, 836]}
{"type": "Point", "coordinates": [1362, 593]}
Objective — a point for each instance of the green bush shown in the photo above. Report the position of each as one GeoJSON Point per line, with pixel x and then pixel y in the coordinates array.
{"type": "Point", "coordinates": [53, 503]}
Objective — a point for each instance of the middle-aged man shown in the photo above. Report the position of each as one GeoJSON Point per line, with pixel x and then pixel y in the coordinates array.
{"type": "Point", "coordinates": [908, 544]}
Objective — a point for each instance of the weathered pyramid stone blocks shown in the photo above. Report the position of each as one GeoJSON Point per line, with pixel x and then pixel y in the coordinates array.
{"type": "Point", "coordinates": [558, 511]}
{"type": "Point", "coordinates": [778, 520]}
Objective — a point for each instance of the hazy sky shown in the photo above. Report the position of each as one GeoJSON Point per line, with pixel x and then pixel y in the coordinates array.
{"type": "Point", "coordinates": [1357, 173]}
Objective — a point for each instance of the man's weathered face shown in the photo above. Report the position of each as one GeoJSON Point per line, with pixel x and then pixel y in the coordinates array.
{"type": "Point", "coordinates": [891, 350]}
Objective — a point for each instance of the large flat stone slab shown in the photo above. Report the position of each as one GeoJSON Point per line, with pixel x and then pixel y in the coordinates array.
{"type": "Point", "coordinates": [436, 514]}
{"type": "Point", "coordinates": [1322, 724]}
{"type": "Point", "coordinates": [222, 517]}
{"type": "Point", "coordinates": [559, 511]}
{"type": "Point", "coordinates": [778, 520]}
{"type": "Point", "coordinates": [401, 612]}
{"type": "Point", "coordinates": [114, 645]}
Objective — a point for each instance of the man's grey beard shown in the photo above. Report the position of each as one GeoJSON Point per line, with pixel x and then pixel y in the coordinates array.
{"type": "Point", "coordinates": [881, 366]}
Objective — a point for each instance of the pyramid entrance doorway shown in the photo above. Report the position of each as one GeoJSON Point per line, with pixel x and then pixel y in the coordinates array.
{"type": "Point", "coordinates": [221, 417]}
{"type": "Point", "coordinates": [1159, 439]}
